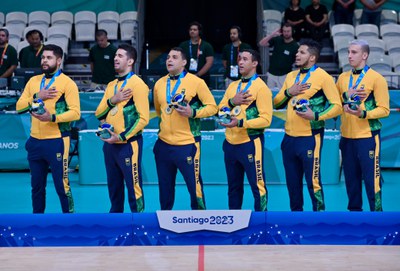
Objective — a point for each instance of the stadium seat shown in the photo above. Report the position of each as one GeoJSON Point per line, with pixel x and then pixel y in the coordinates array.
{"type": "Point", "coordinates": [366, 30]}
{"type": "Point", "coordinates": [376, 46]}
{"type": "Point", "coordinates": [17, 22]}
{"type": "Point", "coordinates": [393, 45]}
{"type": "Point", "coordinates": [2, 19]}
{"type": "Point", "coordinates": [272, 19]}
{"type": "Point", "coordinates": [389, 16]}
{"type": "Point", "coordinates": [21, 45]}
{"type": "Point", "coordinates": [357, 16]}
{"type": "Point", "coordinates": [64, 18]}
{"type": "Point", "coordinates": [390, 30]}
{"type": "Point", "coordinates": [396, 64]}
{"type": "Point", "coordinates": [85, 25]}
{"type": "Point", "coordinates": [109, 20]}
{"type": "Point", "coordinates": [39, 18]}
{"type": "Point", "coordinates": [343, 30]}
{"type": "Point", "coordinates": [341, 43]}
{"type": "Point", "coordinates": [128, 24]}
{"type": "Point", "coordinates": [59, 31]}
{"type": "Point", "coordinates": [38, 27]}
{"type": "Point", "coordinates": [14, 42]}
{"type": "Point", "coordinates": [382, 63]}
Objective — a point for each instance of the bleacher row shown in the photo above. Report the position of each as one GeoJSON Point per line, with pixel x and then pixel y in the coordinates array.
{"type": "Point", "coordinates": [59, 27]}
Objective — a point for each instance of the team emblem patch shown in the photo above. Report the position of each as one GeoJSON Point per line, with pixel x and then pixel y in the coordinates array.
{"type": "Point", "coordinates": [59, 156]}
{"type": "Point", "coordinates": [371, 154]}
{"type": "Point", "coordinates": [189, 160]}
{"type": "Point", "coordinates": [309, 153]}
{"type": "Point", "coordinates": [250, 158]}
{"type": "Point", "coordinates": [127, 162]}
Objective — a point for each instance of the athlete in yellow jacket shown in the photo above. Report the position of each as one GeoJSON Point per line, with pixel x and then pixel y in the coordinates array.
{"type": "Point", "coordinates": [250, 100]}
{"type": "Point", "coordinates": [365, 96]}
{"type": "Point", "coordinates": [304, 127]}
{"type": "Point", "coordinates": [125, 106]}
{"type": "Point", "coordinates": [49, 140]}
{"type": "Point", "coordinates": [180, 100]}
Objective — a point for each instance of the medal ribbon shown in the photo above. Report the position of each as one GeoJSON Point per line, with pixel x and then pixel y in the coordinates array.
{"type": "Point", "coordinates": [130, 74]}
{"type": "Point", "coordinates": [2, 55]}
{"type": "Point", "coordinates": [362, 74]}
{"type": "Point", "coordinates": [254, 77]}
{"type": "Point", "coordinates": [169, 95]}
{"type": "Point", "coordinates": [53, 78]}
{"type": "Point", "coordinates": [313, 68]}
{"type": "Point", "coordinates": [198, 49]}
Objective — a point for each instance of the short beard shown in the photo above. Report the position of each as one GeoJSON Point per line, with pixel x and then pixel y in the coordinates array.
{"type": "Point", "coordinates": [50, 70]}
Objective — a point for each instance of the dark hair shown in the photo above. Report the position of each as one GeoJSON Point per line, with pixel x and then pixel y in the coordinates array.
{"type": "Point", "coordinates": [179, 49]}
{"type": "Point", "coordinates": [290, 3]}
{"type": "Point", "coordinates": [32, 32]}
{"type": "Point", "coordinates": [255, 56]}
{"type": "Point", "coordinates": [101, 32]}
{"type": "Point", "coordinates": [314, 48]}
{"type": "Point", "coordinates": [239, 30]}
{"type": "Point", "coordinates": [130, 51]}
{"type": "Point", "coordinates": [5, 31]}
{"type": "Point", "coordinates": [199, 26]}
{"type": "Point", "coordinates": [57, 51]}
{"type": "Point", "coordinates": [287, 25]}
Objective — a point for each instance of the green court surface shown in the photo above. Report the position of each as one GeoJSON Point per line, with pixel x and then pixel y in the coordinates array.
{"type": "Point", "coordinates": [15, 195]}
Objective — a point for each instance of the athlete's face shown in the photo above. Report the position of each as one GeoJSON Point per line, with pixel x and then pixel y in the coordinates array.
{"type": "Point", "coordinates": [175, 63]}
{"type": "Point", "coordinates": [247, 66]}
{"type": "Point", "coordinates": [49, 62]}
{"type": "Point", "coordinates": [357, 57]}
{"type": "Point", "coordinates": [234, 34]}
{"type": "Point", "coordinates": [122, 63]}
{"type": "Point", "coordinates": [303, 57]}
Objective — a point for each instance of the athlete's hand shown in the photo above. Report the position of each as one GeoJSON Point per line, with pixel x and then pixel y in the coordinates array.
{"type": "Point", "coordinates": [360, 93]}
{"type": "Point", "coordinates": [46, 94]}
{"type": "Point", "coordinates": [297, 89]}
{"type": "Point", "coordinates": [122, 95]}
{"type": "Point", "coordinates": [184, 111]}
{"type": "Point", "coordinates": [233, 123]}
{"type": "Point", "coordinates": [358, 112]}
{"type": "Point", "coordinates": [113, 139]}
{"type": "Point", "coordinates": [242, 98]}
{"type": "Point", "coordinates": [45, 117]}
{"type": "Point", "coordinates": [308, 115]}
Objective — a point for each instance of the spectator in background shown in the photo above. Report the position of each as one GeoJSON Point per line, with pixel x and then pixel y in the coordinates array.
{"type": "Point", "coordinates": [372, 12]}
{"type": "Point", "coordinates": [101, 57]}
{"type": "Point", "coordinates": [343, 11]}
{"type": "Point", "coordinates": [8, 60]}
{"type": "Point", "coordinates": [317, 20]}
{"type": "Point", "coordinates": [200, 53]}
{"type": "Point", "coordinates": [295, 16]}
{"type": "Point", "coordinates": [230, 54]}
{"type": "Point", "coordinates": [283, 55]}
{"type": "Point", "coordinates": [31, 55]}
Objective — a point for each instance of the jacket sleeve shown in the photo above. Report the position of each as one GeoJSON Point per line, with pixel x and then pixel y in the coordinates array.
{"type": "Point", "coordinates": [209, 107]}
{"type": "Point", "coordinates": [72, 99]}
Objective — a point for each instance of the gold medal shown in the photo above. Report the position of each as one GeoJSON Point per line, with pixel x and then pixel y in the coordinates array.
{"type": "Point", "coordinates": [114, 110]}
{"type": "Point", "coordinates": [168, 110]}
{"type": "Point", "coordinates": [236, 110]}
{"type": "Point", "coordinates": [293, 101]}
